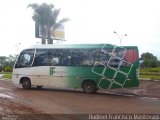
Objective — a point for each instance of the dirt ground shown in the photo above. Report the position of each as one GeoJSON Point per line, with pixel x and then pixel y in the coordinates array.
{"type": "Point", "coordinates": [150, 88]}
{"type": "Point", "coordinates": [50, 104]}
{"type": "Point", "coordinates": [147, 88]}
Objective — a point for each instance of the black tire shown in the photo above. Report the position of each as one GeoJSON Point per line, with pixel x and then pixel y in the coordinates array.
{"type": "Point", "coordinates": [26, 83]}
{"type": "Point", "coordinates": [89, 87]}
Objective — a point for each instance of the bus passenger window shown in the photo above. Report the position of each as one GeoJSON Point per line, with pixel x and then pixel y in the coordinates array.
{"type": "Point", "coordinates": [119, 52]}
{"type": "Point", "coordinates": [87, 58]}
{"type": "Point", "coordinates": [39, 57]}
{"type": "Point", "coordinates": [55, 61]}
{"type": "Point", "coordinates": [46, 57]}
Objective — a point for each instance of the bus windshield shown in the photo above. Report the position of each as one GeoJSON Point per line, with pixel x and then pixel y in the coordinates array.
{"type": "Point", "coordinates": [25, 59]}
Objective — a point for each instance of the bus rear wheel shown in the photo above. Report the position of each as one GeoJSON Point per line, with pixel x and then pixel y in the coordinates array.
{"type": "Point", "coordinates": [89, 87]}
{"type": "Point", "coordinates": [26, 83]}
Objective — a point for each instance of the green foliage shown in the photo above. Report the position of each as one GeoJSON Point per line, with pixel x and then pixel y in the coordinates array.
{"type": "Point", "coordinates": [3, 61]}
{"type": "Point", "coordinates": [6, 63]}
{"type": "Point", "coordinates": [8, 69]}
{"type": "Point", "coordinates": [150, 60]}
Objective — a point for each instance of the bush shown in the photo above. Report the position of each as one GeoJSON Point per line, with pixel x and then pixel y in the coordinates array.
{"type": "Point", "coordinates": [8, 69]}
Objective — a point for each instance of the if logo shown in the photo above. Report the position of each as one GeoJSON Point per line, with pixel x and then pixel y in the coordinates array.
{"type": "Point", "coordinates": [52, 70]}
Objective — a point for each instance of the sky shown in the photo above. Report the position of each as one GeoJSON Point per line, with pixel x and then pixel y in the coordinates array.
{"type": "Point", "coordinates": [91, 21]}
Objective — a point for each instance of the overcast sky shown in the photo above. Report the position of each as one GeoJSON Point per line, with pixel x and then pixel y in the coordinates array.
{"type": "Point", "coordinates": [91, 21]}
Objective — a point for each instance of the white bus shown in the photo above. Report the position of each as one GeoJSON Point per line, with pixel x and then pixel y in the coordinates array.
{"type": "Point", "coordinates": [87, 66]}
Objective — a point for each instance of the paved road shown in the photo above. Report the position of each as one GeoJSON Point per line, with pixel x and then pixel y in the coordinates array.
{"type": "Point", "coordinates": [68, 101]}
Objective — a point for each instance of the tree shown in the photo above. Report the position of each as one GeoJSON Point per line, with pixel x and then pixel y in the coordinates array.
{"type": "Point", "coordinates": [8, 69]}
{"type": "Point", "coordinates": [2, 62]}
{"type": "Point", "coordinates": [149, 60]}
{"type": "Point", "coordinates": [46, 16]}
{"type": "Point", "coordinates": [6, 63]}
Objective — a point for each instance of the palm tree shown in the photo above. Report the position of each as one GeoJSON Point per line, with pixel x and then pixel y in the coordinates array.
{"type": "Point", "coordinates": [46, 17]}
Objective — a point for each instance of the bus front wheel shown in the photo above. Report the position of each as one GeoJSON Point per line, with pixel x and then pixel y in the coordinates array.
{"type": "Point", "coordinates": [89, 87]}
{"type": "Point", "coordinates": [26, 83]}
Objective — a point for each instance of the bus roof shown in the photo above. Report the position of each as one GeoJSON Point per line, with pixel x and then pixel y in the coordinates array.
{"type": "Point", "coordinates": [61, 46]}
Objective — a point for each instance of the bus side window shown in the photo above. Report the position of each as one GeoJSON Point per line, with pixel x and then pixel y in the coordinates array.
{"type": "Point", "coordinates": [119, 52]}
{"type": "Point", "coordinates": [76, 57]}
{"type": "Point", "coordinates": [63, 57]}
{"type": "Point", "coordinates": [104, 58]}
{"type": "Point", "coordinates": [46, 57]}
{"type": "Point", "coordinates": [39, 58]}
{"type": "Point", "coordinates": [97, 57]}
{"type": "Point", "coordinates": [87, 57]}
{"type": "Point", "coordinates": [68, 57]}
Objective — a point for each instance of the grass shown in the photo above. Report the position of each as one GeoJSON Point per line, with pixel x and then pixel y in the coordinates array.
{"type": "Point", "coordinates": [150, 70]}
{"type": "Point", "coordinates": [151, 77]}
{"type": "Point", "coordinates": [151, 73]}
{"type": "Point", "coordinates": [5, 72]}
{"type": "Point", "coordinates": [7, 75]}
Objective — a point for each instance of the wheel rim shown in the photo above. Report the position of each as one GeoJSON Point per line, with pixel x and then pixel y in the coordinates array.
{"type": "Point", "coordinates": [89, 87]}
{"type": "Point", "coordinates": [26, 84]}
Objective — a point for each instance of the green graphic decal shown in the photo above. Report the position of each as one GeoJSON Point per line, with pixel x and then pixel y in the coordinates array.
{"type": "Point", "coordinates": [52, 70]}
{"type": "Point", "coordinates": [113, 75]}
